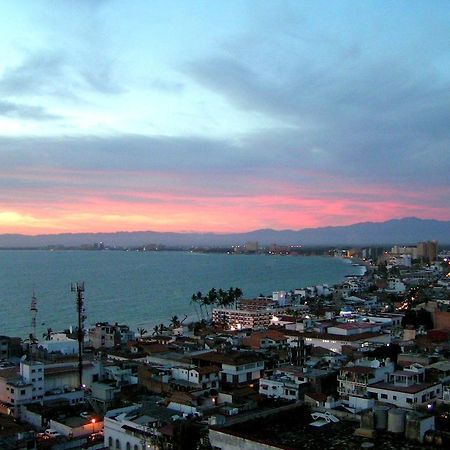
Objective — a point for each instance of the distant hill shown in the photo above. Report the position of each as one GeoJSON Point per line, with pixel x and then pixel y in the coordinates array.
{"type": "Point", "coordinates": [399, 231]}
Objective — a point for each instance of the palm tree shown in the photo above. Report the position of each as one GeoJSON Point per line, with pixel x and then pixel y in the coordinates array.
{"type": "Point", "coordinates": [142, 332]}
{"type": "Point", "coordinates": [156, 330]}
{"type": "Point", "coordinates": [175, 322]}
{"type": "Point", "coordinates": [48, 334]}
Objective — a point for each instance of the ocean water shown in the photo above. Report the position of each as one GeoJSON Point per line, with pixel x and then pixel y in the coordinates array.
{"type": "Point", "coordinates": [140, 289]}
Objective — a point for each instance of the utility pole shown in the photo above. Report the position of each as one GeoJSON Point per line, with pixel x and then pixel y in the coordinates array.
{"type": "Point", "coordinates": [78, 288]}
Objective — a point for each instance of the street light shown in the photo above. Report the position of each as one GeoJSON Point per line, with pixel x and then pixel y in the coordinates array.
{"type": "Point", "coordinates": [93, 425]}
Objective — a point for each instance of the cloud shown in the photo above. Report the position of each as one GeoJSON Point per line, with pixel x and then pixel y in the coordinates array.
{"type": "Point", "coordinates": [27, 112]}
{"type": "Point", "coordinates": [58, 74]}
{"type": "Point", "coordinates": [382, 118]}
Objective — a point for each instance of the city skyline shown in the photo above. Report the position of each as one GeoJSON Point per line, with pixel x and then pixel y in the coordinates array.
{"type": "Point", "coordinates": [222, 116]}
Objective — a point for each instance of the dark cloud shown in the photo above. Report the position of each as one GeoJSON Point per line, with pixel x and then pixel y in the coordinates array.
{"type": "Point", "coordinates": [385, 120]}
{"type": "Point", "coordinates": [56, 73]}
{"type": "Point", "coordinates": [123, 152]}
{"type": "Point", "coordinates": [27, 112]}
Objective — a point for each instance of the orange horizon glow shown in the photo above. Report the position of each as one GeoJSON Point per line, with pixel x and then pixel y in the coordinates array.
{"type": "Point", "coordinates": [167, 213]}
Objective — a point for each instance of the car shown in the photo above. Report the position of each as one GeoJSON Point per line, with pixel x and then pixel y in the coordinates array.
{"type": "Point", "coordinates": [50, 432]}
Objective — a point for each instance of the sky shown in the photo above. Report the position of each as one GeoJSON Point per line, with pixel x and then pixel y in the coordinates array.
{"type": "Point", "coordinates": [222, 116]}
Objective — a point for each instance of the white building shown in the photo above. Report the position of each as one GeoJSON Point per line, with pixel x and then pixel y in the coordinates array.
{"type": "Point", "coordinates": [335, 342]}
{"type": "Point", "coordinates": [59, 342]}
{"type": "Point", "coordinates": [127, 429]}
{"type": "Point", "coordinates": [200, 378]}
{"type": "Point", "coordinates": [283, 384]}
{"type": "Point", "coordinates": [406, 389]}
{"type": "Point", "coordinates": [395, 285]}
{"type": "Point", "coordinates": [237, 319]}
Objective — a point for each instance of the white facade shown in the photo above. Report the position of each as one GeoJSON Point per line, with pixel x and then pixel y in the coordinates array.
{"type": "Point", "coordinates": [23, 388]}
{"type": "Point", "coordinates": [243, 373]}
{"type": "Point", "coordinates": [395, 285]}
{"type": "Point", "coordinates": [125, 430]}
{"type": "Point", "coordinates": [238, 318]}
{"type": "Point", "coordinates": [335, 342]}
{"type": "Point", "coordinates": [283, 384]}
{"type": "Point", "coordinates": [59, 342]}
{"type": "Point", "coordinates": [407, 389]}
{"type": "Point", "coordinates": [201, 378]}
{"type": "Point", "coordinates": [421, 395]}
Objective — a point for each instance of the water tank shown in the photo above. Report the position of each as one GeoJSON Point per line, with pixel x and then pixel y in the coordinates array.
{"type": "Point", "coordinates": [367, 420]}
{"type": "Point", "coordinates": [396, 420]}
{"type": "Point", "coordinates": [381, 417]}
{"type": "Point", "coordinates": [412, 431]}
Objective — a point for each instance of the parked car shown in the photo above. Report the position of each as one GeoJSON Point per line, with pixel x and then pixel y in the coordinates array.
{"type": "Point", "coordinates": [50, 432]}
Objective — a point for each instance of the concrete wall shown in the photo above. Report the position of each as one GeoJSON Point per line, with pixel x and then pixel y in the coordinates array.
{"type": "Point", "coordinates": [225, 441]}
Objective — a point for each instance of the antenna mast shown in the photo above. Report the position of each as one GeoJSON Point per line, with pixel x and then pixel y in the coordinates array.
{"type": "Point", "coordinates": [33, 339]}
{"type": "Point", "coordinates": [78, 288]}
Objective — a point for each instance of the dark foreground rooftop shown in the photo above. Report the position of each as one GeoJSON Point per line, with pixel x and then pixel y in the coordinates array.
{"type": "Point", "coordinates": [291, 430]}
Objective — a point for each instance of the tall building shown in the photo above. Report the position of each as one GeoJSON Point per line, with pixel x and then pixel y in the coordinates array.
{"type": "Point", "coordinates": [427, 250]}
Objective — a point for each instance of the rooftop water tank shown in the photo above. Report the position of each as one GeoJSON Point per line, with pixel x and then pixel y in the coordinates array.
{"type": "Point", "coordinates": [381, 417]}
{"type": "Point", "coordinates": [396, 420]}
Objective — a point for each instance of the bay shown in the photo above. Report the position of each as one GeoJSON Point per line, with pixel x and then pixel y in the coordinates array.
{"type": "Point", "coordinates": [140, 289]}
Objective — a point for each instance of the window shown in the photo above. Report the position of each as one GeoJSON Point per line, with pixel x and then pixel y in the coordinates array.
{"type": "Point", "coordinates": [110, 441]}
{"type": "Point", "coordinates": [383, 396]}
{"type": "Point", "coordinates": [12, 391]}
{"type": "Point", "coordinates": [118, 444]}
{"type": "Point", "coordinates": [409, 400]}
{"type": "Point", "coordinates": [128, 446]}
{"type": "Point", "coordinates": [394, 397]}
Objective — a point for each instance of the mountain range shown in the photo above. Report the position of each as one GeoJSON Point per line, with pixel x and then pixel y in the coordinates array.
{"type": "Point", "coordinates": [404, 231]}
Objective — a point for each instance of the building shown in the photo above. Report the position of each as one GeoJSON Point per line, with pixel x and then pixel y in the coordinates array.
{"type": "Point", "coordinates": [356, 376]}
{"type": "Point", "coordinates": [236, 368]}
{"type": "Point", "coordinates": [21, 388]}
{"type": "Point", "coordinates": [237, 319]}
{"type": "Point", "coordinates": [286, 383]}
{"type": "Point", "coordinates": [196, 378]}
{"type": "Point", "coordinates": [406, 389]}
{"type": "Point", "coordinates": [106, 335]}
{"type": "Point", "coordinates": [131, 428]}
{"type": "Point", "coordinates": [60, 343]}
{"type": "Point", "coordinates": [427, 250]}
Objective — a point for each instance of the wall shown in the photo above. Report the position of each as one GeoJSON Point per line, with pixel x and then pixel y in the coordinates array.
{"type": "Point", "coordinates": [225, 441]}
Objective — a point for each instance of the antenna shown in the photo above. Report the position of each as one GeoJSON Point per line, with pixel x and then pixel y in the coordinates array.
{"type": "Point", "coordinates": [33, 339]}
{"type": "Point", "coordinates": [78, 288]}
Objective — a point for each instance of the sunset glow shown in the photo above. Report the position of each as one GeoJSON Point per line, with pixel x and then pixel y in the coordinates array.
{"type": "Point", "coordinates": [223, 116]}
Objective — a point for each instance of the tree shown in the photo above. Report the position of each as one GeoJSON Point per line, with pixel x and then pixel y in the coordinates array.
{"type": "Point", "coordinates": [48, 334]}
{"type": "Point", "coordinates": [142, 332]}
{"type": "Point", "coordinates": [175, 322]}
